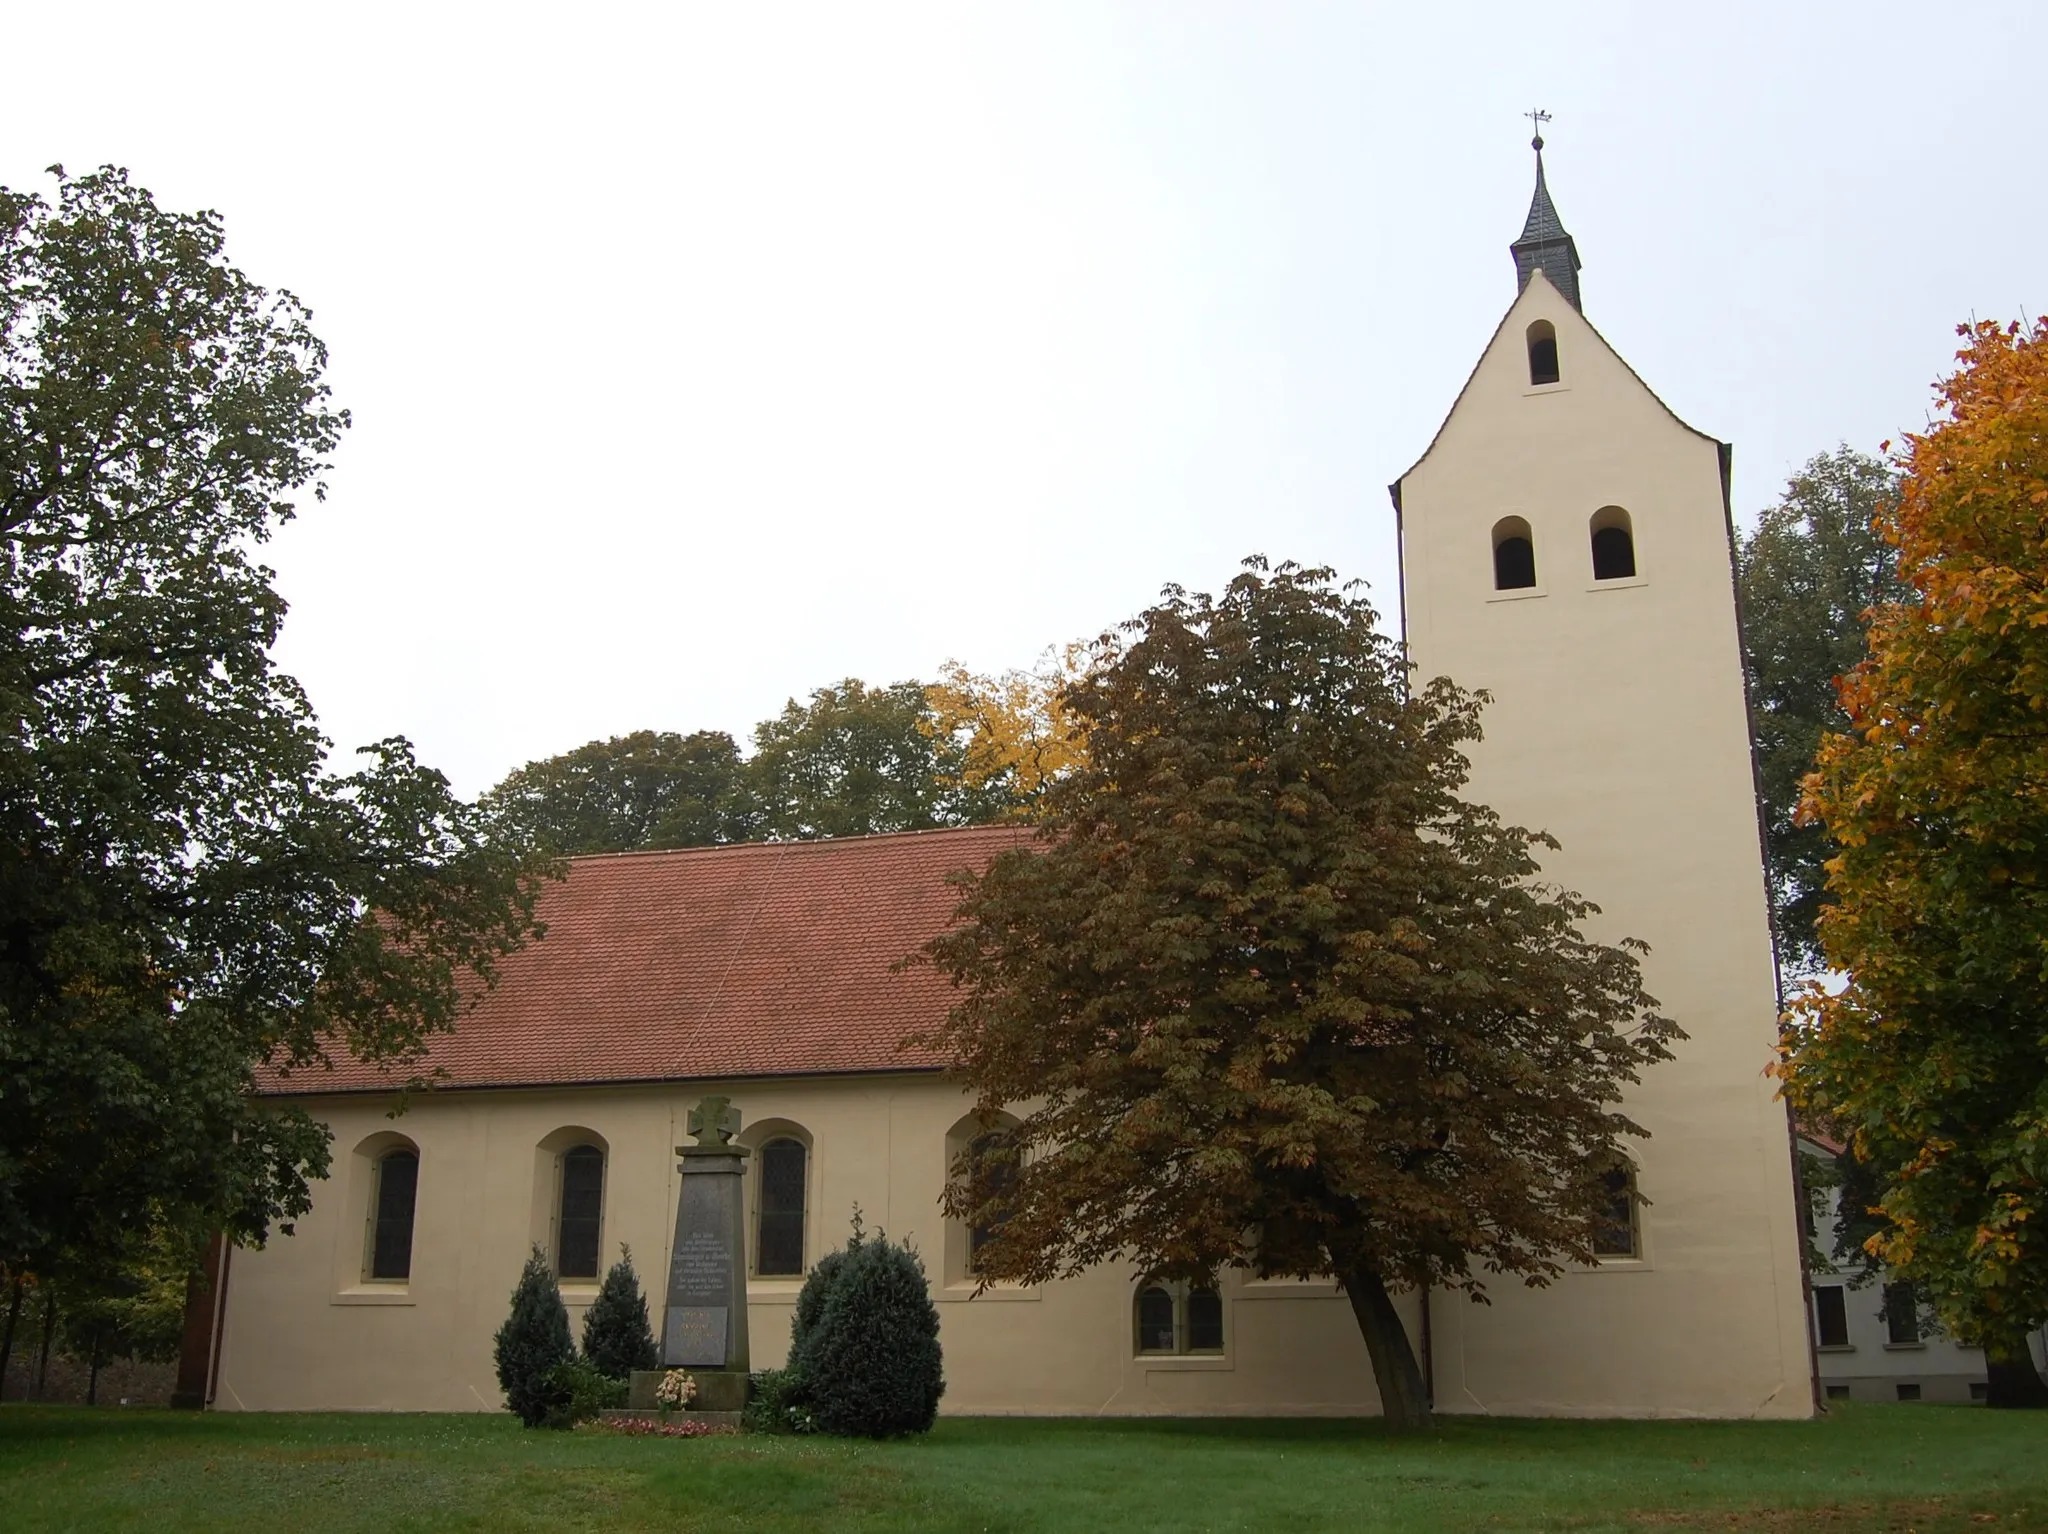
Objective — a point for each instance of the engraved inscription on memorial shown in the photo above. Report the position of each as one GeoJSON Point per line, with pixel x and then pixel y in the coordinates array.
{"type": "Point", "coordinates": [696, 1336]}
{"type": "Point", "coordinates": [702, 1269]}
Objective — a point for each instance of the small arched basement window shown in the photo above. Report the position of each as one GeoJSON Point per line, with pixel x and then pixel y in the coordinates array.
{"type": "Point", "coordinates": [1617, 1232]}
{"type": "Point", "coordinates": [1177, 1318]}
{"type": "Point", "coordinates": [779, 1224]}
{"type": "Point", "coordinates": [1542, 353]}
{"type": "Point", "coordinates": [579, 1212]}
{"type": "Point", "coordinates": [398, 1182]}
{"type": "Point", "coordinates": [1157, 1332]}
{"type": "Point", "coordinates": [1514, 555]}
{"type": "Point", "coordinates": [1614, 545]}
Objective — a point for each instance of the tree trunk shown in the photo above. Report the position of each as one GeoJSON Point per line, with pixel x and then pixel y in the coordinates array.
{"type": "Point", "coordinates": [92, 1372]}
{"type": "Point", "coordinates": [49, 1330]}
{"type": "Point", "coordinates": [7, 1342]}
{"type": "Point", "coordinates": [2012, 1379]}
{"type": "Point", "coordinates": [1402, 1399]}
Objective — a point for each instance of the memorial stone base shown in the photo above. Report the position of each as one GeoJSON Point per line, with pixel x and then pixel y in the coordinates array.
{"type": "Point", "coordinates": [718, 1390]}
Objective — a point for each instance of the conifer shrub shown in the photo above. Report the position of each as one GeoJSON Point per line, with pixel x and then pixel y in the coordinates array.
{"type": "Point", "coordinates": [864, 1343]}
{"type": "Point", "coordinates": [533, 1340]}
{"type": "Point", "coordinates": [810, 1300]}
{"type": "Point", "coordinates": [617, 1337]}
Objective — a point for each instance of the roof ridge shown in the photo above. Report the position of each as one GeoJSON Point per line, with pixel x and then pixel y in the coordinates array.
{"type": "Point", "coordinates": [795, 843]}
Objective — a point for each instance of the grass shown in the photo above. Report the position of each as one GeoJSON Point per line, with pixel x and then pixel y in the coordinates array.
{"type": "Point", "coordinates": [1924, 1468]}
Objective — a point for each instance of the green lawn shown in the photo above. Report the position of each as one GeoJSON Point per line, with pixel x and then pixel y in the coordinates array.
{"type": "Point", "coordinates": [1866, 1467]}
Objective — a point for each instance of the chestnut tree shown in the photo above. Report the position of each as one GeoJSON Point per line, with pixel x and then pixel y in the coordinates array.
{"type": "Point", "coordinates": [1267, 991]}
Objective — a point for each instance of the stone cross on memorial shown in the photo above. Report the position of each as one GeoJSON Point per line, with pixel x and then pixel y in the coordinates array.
{"type": "Point", "coordinates": [704, 1327]}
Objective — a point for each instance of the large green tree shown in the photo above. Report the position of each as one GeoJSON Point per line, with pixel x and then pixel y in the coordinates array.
{"type": "Point", "coordinates": [648, 790]}
{"type": "Point", "coordinates": [1809, 573]}
{"type": "Point", "coordinates": [186, 890]}
{"type": "Point", "coordinates": [1269, 992]}
{"type": "Point", "coordinates": [851, 760]}
{"type": "Point", "coordinates": [856, 760]}
{"type": "Point", "coordinates": [1932, 1058]}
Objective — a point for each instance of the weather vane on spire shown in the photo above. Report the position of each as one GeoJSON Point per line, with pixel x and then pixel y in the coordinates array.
{"type": "Point", "coordinates": [1538, 118]}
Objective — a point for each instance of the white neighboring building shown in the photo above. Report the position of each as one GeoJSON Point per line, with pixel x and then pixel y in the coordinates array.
{"type": "Point", "coordinates": [1871, 1348]}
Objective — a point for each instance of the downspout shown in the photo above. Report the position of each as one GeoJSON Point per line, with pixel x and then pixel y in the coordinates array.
{"type": "Point", "coordinates": [1400, 562]}
{"type": "Point", "coordinates": [1407, 683]}
{"type": "Point", "coordinates": [220, 1320]}
{"type": "Point", "coordinates": [1428, 1353]}
{"type": "Point", "coordinates": [1725, 454]}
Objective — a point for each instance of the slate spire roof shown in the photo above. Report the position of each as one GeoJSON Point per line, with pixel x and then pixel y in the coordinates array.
{"type": "Point", "coordinates": [1544, 242]}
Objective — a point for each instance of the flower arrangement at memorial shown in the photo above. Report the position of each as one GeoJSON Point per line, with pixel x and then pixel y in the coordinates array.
{"type": "Point", "coordinates": [647, 1427]}
{"type": "Point", "coordinates": [676, 1390]}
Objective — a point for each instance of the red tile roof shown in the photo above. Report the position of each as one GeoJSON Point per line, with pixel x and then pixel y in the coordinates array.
{"type": "Point", "coordinates": [770, 959]}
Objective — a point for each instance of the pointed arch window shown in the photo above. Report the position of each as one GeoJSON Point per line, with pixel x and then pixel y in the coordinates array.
{"type": "Point", "coordinates": [1514, 555]}
{"type": "Point", "coordinates": [779, 1221]}
{"type": "Point", "coordinates": [1542, 337]}
{"type": "Point", "coordinates": [1614, 545]}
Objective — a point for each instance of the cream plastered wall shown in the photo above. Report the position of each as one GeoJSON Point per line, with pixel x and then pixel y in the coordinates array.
{"type": "Point", "coordinates": [304, 1330]}
{"type": "Point", "coordinates": [1618, 725]}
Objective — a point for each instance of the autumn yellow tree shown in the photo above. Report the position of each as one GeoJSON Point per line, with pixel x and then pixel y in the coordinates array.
{"type": "Point", "coordinates": [1933, 1058]}
{"type": "Point", "coordinates": [1014, 731]}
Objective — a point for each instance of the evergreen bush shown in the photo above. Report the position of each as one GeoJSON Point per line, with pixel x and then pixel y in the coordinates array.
{"type": "Point", "coordinates": [810, 1300]}
{"type": "Point", "coordinates": [533, 1340]}
{"type": "Point", "coordinates": [577, 1390]}
{"type": "Point", "coordinates": [616, 1335]}
{"type": "Point", "coordinates": [773, 1405]}
{"type": "Point", "coordinates": [864, 1346]}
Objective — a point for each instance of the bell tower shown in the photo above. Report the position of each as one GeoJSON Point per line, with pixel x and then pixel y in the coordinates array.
{"type": "Point", "coordinates": [1566, 545]}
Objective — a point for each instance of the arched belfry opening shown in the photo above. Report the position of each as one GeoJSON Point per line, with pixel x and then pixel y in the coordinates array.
{"type": "Point", "coordinates": [1614, 545]}
{"type": "Point", "coordinates": [1542, 353]}
{"type": "Point", "coordinates": [1514, 555]}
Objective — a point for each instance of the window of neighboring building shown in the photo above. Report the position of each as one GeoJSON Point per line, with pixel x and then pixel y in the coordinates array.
{"type": "Point", "coordinates": [1177, 1319]}
{"type": "Point", "coordinates": [779, 1222]}
{"type": "Point", "coordinates": [1901, 1315]}
{"type": "Point", "coordinates": [1836, 1392]}
{"type": "Point", "coordinates": [398, 1181]}
{"type": "Point", "coordinates": [1909, 1392]}
{"type": "Point", "coordinates": [1980, 1390]}
{"type": "Point", "coordinates": [1614, 545]}
{"type": "Point", "coordinates": [1542, 353]}
{"type": "Point", "coordinates": [1616, 1232]}
{"type": "Point", "coordinates": [1514, 555]}
{"type": "Point", "coordinates": [579, 1213]}
{"type": "Point", "coordinates": [1831, 1315]}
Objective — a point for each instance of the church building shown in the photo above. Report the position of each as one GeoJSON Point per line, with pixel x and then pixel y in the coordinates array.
{"type": "Point", "coordinates": [1566, 545]}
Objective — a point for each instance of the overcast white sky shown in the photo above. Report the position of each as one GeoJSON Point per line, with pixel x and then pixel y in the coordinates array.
{"type": "Point", "coordinates": [703, 354]}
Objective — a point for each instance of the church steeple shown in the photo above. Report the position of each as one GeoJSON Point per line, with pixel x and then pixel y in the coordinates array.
{"type": "Point", "coordinates": [1544, 242]}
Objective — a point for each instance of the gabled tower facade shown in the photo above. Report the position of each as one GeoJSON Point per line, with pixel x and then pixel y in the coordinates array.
{"type": "Point", "coordinates": [1566, 545]}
